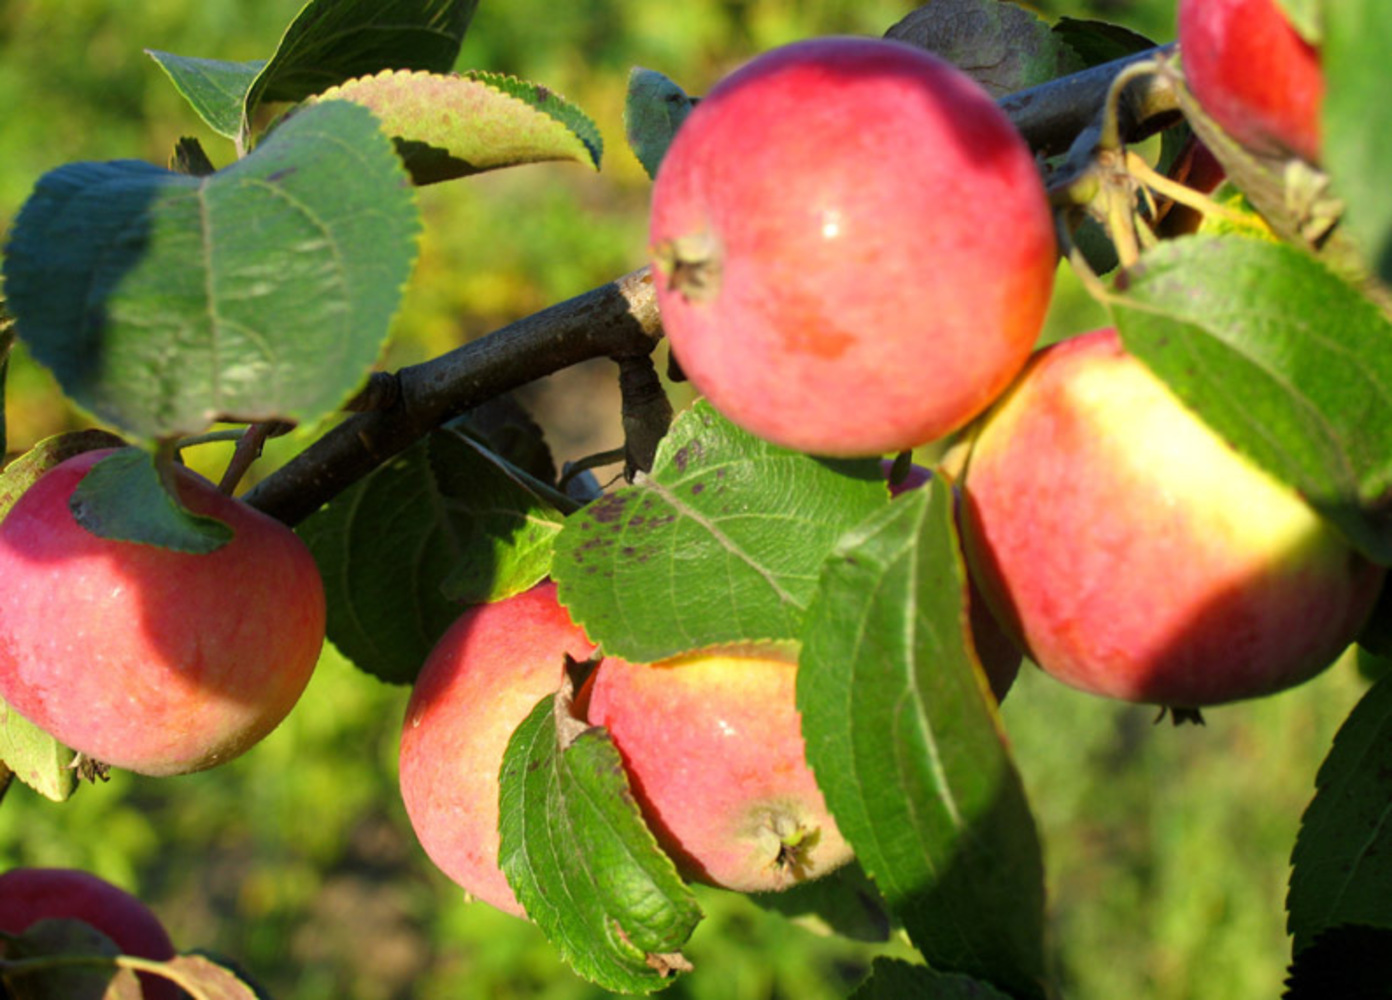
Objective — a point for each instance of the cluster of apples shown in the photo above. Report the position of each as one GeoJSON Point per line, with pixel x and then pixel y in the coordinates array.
{"type": "Point", "coordinates": [1125, 547]}
{"type": "Point", "coordinates": [1112, 535]}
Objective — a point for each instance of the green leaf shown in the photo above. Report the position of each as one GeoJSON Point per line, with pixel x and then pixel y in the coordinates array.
{"type": "Point", "coordinates": [1100, 42]}
{"type": "Point", "coordinates": [904, 738]}
{"type": "Point", "coordinates": [721, 543]}
{"type": "Point", "coordinates": [43, 947]}
{"type": "Point", "coordinates": [216, 88]}
{"type": "Point", "coordinates": [444, 524]}
{"type": "Point", "coordinates": [332, 41]}
{"type": "Point", "coordinates": [893, 979]}
{"type": "Point", "coordinates": [35, 757]}
{"type": "Point", "coordinates": [845, 903]}
{"type": "Point", "coordinates": [1348, 961]}
{"type": "Point", "coordinates": [581, 860]}
{"type": "Point", "coordinates": [653, 111]}
{"type": "Point", "coordinates": [263, 292]}
{"type": "Point", "coordinates": [123, 498]}
{"type": "Point", "coordinates": [1342, 863]}
{"type": "Point", "coordinates": [1284, 360]}
{"type": "Point", "coordinates": [457, 125]}
{"type": "Point", "coordinates": [211, 980]}
{"type": "Point", "coordinates": [1357, 123]}
{"type": "Point", "coordinates": [1000, 45]}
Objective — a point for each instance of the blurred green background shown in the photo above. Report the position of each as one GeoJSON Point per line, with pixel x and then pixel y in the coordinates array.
{"type": "Point", "coordinates": [1167, 848]}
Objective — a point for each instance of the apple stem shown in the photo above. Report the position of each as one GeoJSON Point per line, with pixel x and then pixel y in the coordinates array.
{"type": "Point", "coordinates": [1182, 194]}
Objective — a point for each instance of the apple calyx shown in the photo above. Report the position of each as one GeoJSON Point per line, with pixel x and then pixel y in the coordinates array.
{"type": "Point", "coordinates": [692, 265]}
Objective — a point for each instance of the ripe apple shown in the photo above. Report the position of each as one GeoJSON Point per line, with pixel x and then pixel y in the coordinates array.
{"type": "Point", "coordinates": [1000, 657]}
{"type": "Point", "coordinates": [852, 246]}
{"type": "Point", "coordinates": [157, 661]}
{"type": "Point", "coordinates": [712, 743]}
{"type": "Point", "coordinates": [1253, 74]}
{"type": "Point", "coordinates": [1134, 554]}
{"type": "Point", "coordinates": [28, 895]}
{"type": "Point", "coordinates": [483, 678]}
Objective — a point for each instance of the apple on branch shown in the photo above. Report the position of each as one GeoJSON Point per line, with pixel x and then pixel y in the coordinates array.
{"type": "Point", "coordinates": [853, 249]}
{"type": "Point", "coordinates": [141, 657]}
{"type": "Point", "coordinates": [1135, 554]}
{"type": "Point", "coordinates": [29, 895]}
{"type": "Point", "coordinates": [1253, 74]}
{"type": "Point", "coordinates": [712, 743]}
{"type": "Point", "coordinates": [479, 683]}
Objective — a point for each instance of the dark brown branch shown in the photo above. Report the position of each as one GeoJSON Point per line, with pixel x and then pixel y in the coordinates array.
{"type": "Point", "coordinates": [614, 320]}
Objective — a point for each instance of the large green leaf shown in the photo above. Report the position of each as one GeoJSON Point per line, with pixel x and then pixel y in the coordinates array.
{"type": "Point", "coordinates": [332, 41]}
{"type": "Point", "coordinates": [443, 525]}
{"type": "Point", "coordinates": [721, 543]}
{"type": "Point", "coordinates": [456, 125]}
{"type": "Point", "coordinates": [1288, 363]}
{"type": "Point", "coordinates": [264, 291]}
{"type": "Point", "coordinates": [903, 735]}
{"type": "Point", "coordinates": [1358, 123]}
{"type": "Point", "coordinates": [582, 861]}
{"type": "Point", "coordinates": [1342, 862]}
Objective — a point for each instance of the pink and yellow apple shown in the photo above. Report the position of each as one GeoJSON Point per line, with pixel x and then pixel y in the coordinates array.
{"type": "Point", "coordinates": [1134, 554]}
{"type": "Point", "coordinates": [144, 658]}
{"type": "Point", "coordinates": [852, 247]}
{"type": "Point", "coordinates": [1253, 74]}
{"type": "Point", "coordinates": [482, 679]}
{"type": "Point", "coordinates": [712, 743]}
{"type": "Point", "coordinates": [29, 895]}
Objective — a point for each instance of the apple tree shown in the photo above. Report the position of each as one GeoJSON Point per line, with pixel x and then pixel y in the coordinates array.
{"type": "Point", "coordinates": [770, 656]}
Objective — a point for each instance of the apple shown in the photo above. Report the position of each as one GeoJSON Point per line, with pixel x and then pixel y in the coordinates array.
{"type": "Point", "coordinates": [852, 246]}
{"type": "Point", "coordinates": [144, 658]}
{"type": "Point", "coordinates": [482, 679]}
{"type": "Point", "coordinates": [999, 656]}
{"type": "Point", "coordinates": [28, 895]}
{"type": "Point", "coordinates": [1134, 554]}
{"type": "Point", "coordinates": [1253, 74]}
{"type": "Point", "coordinates": [712, 743]}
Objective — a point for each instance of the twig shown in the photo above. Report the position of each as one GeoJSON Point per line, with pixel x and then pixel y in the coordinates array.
{"type": "Point", "coordinates": [616, 319]}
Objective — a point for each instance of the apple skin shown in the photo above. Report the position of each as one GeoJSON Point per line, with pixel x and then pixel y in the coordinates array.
{"type": "Point", "coordinates": [1134, 554]}
{"type": "Point", "coordinates": [853, 249]}
{"type": "Point", "coordinates": [156, 661]}
{"type": "Point", "coordinates": [28, 895]}
{"type": "Point", "coordinates": [999, 656]}
{"type": "Point", "coordinates": [482, 679]}
{"type": "Point", "coordinates": [1253, 74]}
{"type": "Point", "coordinates": [712, 743]}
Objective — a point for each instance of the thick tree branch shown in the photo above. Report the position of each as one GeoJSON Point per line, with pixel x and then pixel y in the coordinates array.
{"type": "Point", "coordinates": [616, 319]}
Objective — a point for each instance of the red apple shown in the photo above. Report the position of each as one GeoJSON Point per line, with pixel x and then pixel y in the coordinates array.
{"type": "Point", "coordinates": [712, 743]}
{"type": "Point", "coordinates": [1253, 74]}
{"type": "Point", "coordinates": [28, 895]}
{"type": "Point", "coordinates": [1135, 554]}
{"type": "Point", "coordinates": [853, 248]}
{"type": "Point", "coordinates": [482, 679]}
{"type": "Point", "coordinates": [1000, 657]}
{"type": "Point", "coordinates": [157, 661]}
